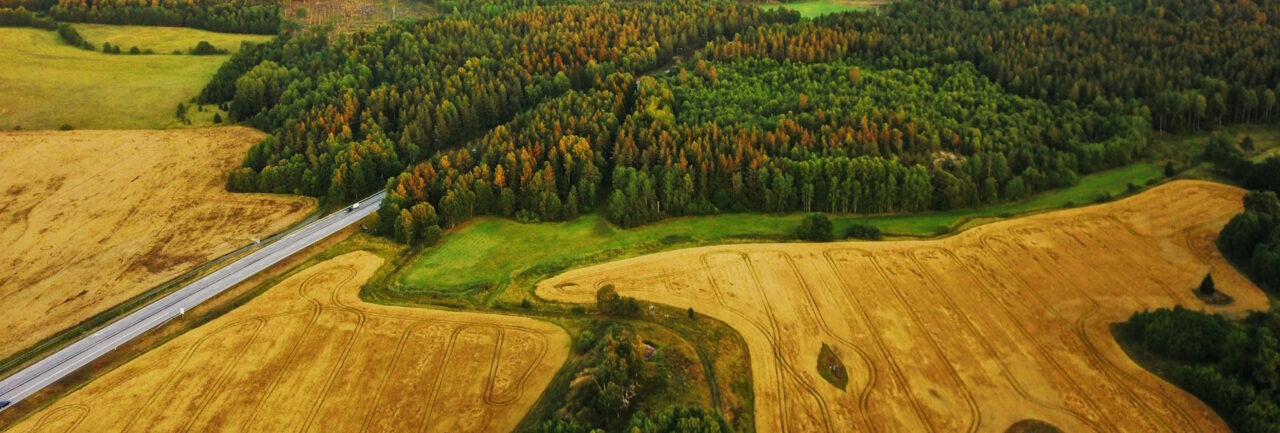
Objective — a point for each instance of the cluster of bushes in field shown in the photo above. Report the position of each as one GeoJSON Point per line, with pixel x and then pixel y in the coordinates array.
{"type": "Point", "coordinates": [1252, 238]}
{"type": "Point", "coordinates": [616, 377]}
{"type": "Point", "coordinates": [1232, 366]}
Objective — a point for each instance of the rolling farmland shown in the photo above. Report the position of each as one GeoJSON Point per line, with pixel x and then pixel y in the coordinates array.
{"type": "Point", "coordinates": [308, 355]}
{"type": "Point", "coordinates": [94, 218]}
{"type": "Point", "coordinates": [1003, 323]}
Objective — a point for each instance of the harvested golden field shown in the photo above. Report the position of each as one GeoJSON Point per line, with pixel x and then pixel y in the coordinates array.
{"type": "Point", "coordinates": [1002, 323]}
{"type": "Point", "coordinates": [308, 355]}
{"type": "Point", "coordinates": [93, 218]}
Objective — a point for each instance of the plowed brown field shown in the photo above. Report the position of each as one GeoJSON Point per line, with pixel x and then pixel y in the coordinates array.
{"type": "Point", "coordinates": [308, 355]}
{"type": "Point", "coordinates": [92, 218]}
{"type": "Point", "coordinates": [1000, 323]}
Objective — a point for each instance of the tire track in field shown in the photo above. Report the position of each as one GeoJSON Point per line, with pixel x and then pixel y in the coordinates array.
{"type": "Point", "coordinates": [174, 372]}
{"type": "Point", "coordinates": [864, 395]}
{"type": "Point", "coordinates": [1114, 370]}
{"type": "Point", "coordinates": [781, 358]}
{"type": "Point", "coordinates": [386, 375]}
{"type": "Point", "coordinates": [226, 373]}
{"type": "Point", "coordinates": [1044, 352]}
{"type": "Point", "coordinates": [1080, 329]}
{"type": "Point", "coordinates": [346, 351]}
{"type": "Point", "coordinates": [846, 287]}
{"type": "Point", "coordinates": [47, 419]}
{"type": "Point", "coordinates": [982, 341]}
{"type": "Point", "coordinates": [1072, 229]}
{"type": "Point", "coordinates": [537, 336]}
{"type": "Point", "coordinates": [444, 367]}
{"type": "Point", "coordinates": [779, 377]}
{"type": "Point", "coordinates": [518, 387]}
{"type": "Point", "coordinates": [317, 308]}
{"type": "Point", "coordinates": [494, 359]}
{"type": "Point", "coordinates": [974, 412]}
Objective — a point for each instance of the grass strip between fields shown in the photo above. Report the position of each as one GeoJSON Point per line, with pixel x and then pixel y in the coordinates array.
{"type": "Point", "coordinates": [487, 251]}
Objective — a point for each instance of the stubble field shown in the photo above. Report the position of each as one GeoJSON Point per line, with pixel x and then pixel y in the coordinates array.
{"type": "Point", "coordinates": [1002, 323]}
{"type": "Point", "coordinates": [308, 355]}
{"type": "Point", "coordinates": [93, 218]}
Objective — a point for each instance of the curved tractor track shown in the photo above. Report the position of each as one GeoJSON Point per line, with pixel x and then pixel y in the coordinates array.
{"type": "Point", "coordinates": [1004, 322]}
{"type": "Point", "coordinates": [308, 355]}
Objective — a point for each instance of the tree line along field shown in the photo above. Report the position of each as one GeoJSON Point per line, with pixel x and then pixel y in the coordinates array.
{"type": "Point", "coordinates": [94, 218]}
{"type": "Point", "coordinates": [308, 355]}
{"type": "Point", "coordinates": [1002, 323]}
{"type": "Point", "coordinates": [47, 84]}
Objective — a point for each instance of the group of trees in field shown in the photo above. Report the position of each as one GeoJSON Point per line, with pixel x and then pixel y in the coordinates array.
{"type": "Point", "coordinates": [1232, 366]}
{"type": "Point", "coordinates": [237, 16]}
{"type": "Point", "coordinates": [1252, 238]}
{"type": "Point", "coordinates": [615, 380]}
{"type": "Point", "coordinates": [20, 17]}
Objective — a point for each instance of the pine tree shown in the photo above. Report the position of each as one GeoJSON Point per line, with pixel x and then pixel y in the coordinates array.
{"type": "Point", "coordinates": [1206, 285]}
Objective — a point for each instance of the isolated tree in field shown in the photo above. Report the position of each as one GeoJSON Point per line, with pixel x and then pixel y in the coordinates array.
{"type": "Point", "coordinates": [1206, 285]}
{"type": "Point", "coordinates": [607, 299]}
{"type": "Point", "coordinates": [815, 227]}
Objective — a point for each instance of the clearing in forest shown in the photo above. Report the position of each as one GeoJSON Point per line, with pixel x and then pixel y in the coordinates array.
{"type": "Point", "coordinates": [1002, 323]}
{"type": "Point", "coordinates": [93, 218]}
{"type": "Point", "coordinates": [47, 84]}
{"type": "Point", "coordinates": [817, 8]}
{"type": "Point", "coordinates": [308, 355]}
{"type": "Point", "coordinates": [351, 15]}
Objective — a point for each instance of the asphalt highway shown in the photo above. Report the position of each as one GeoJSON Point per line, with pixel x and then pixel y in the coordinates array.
{"type": "Point", "coordinates": [89, 348]}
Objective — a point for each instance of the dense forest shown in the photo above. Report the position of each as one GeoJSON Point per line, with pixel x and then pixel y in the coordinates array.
{"type": "Point", "coordinates": [1232, 366]}
{"type": "Point", "coordinates": [1186, 64]}
{"type": "Point", "coordinates": [236, 16]}
{"type": "Point", "coordinates": [543, 109]}
{"type": "Point", "coordinates": [403, 92]}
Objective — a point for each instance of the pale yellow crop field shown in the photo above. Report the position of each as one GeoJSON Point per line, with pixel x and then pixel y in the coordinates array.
{"type": "Point", "coordinates": [308, 355]}
{"type": "Point", "coordinates": [1001, 323]}
{"type": "Point", "coordinates": [93, 218]}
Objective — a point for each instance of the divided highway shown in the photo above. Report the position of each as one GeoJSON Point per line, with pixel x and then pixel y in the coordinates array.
{"type": "Point", "coordinates": [89, 348]}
